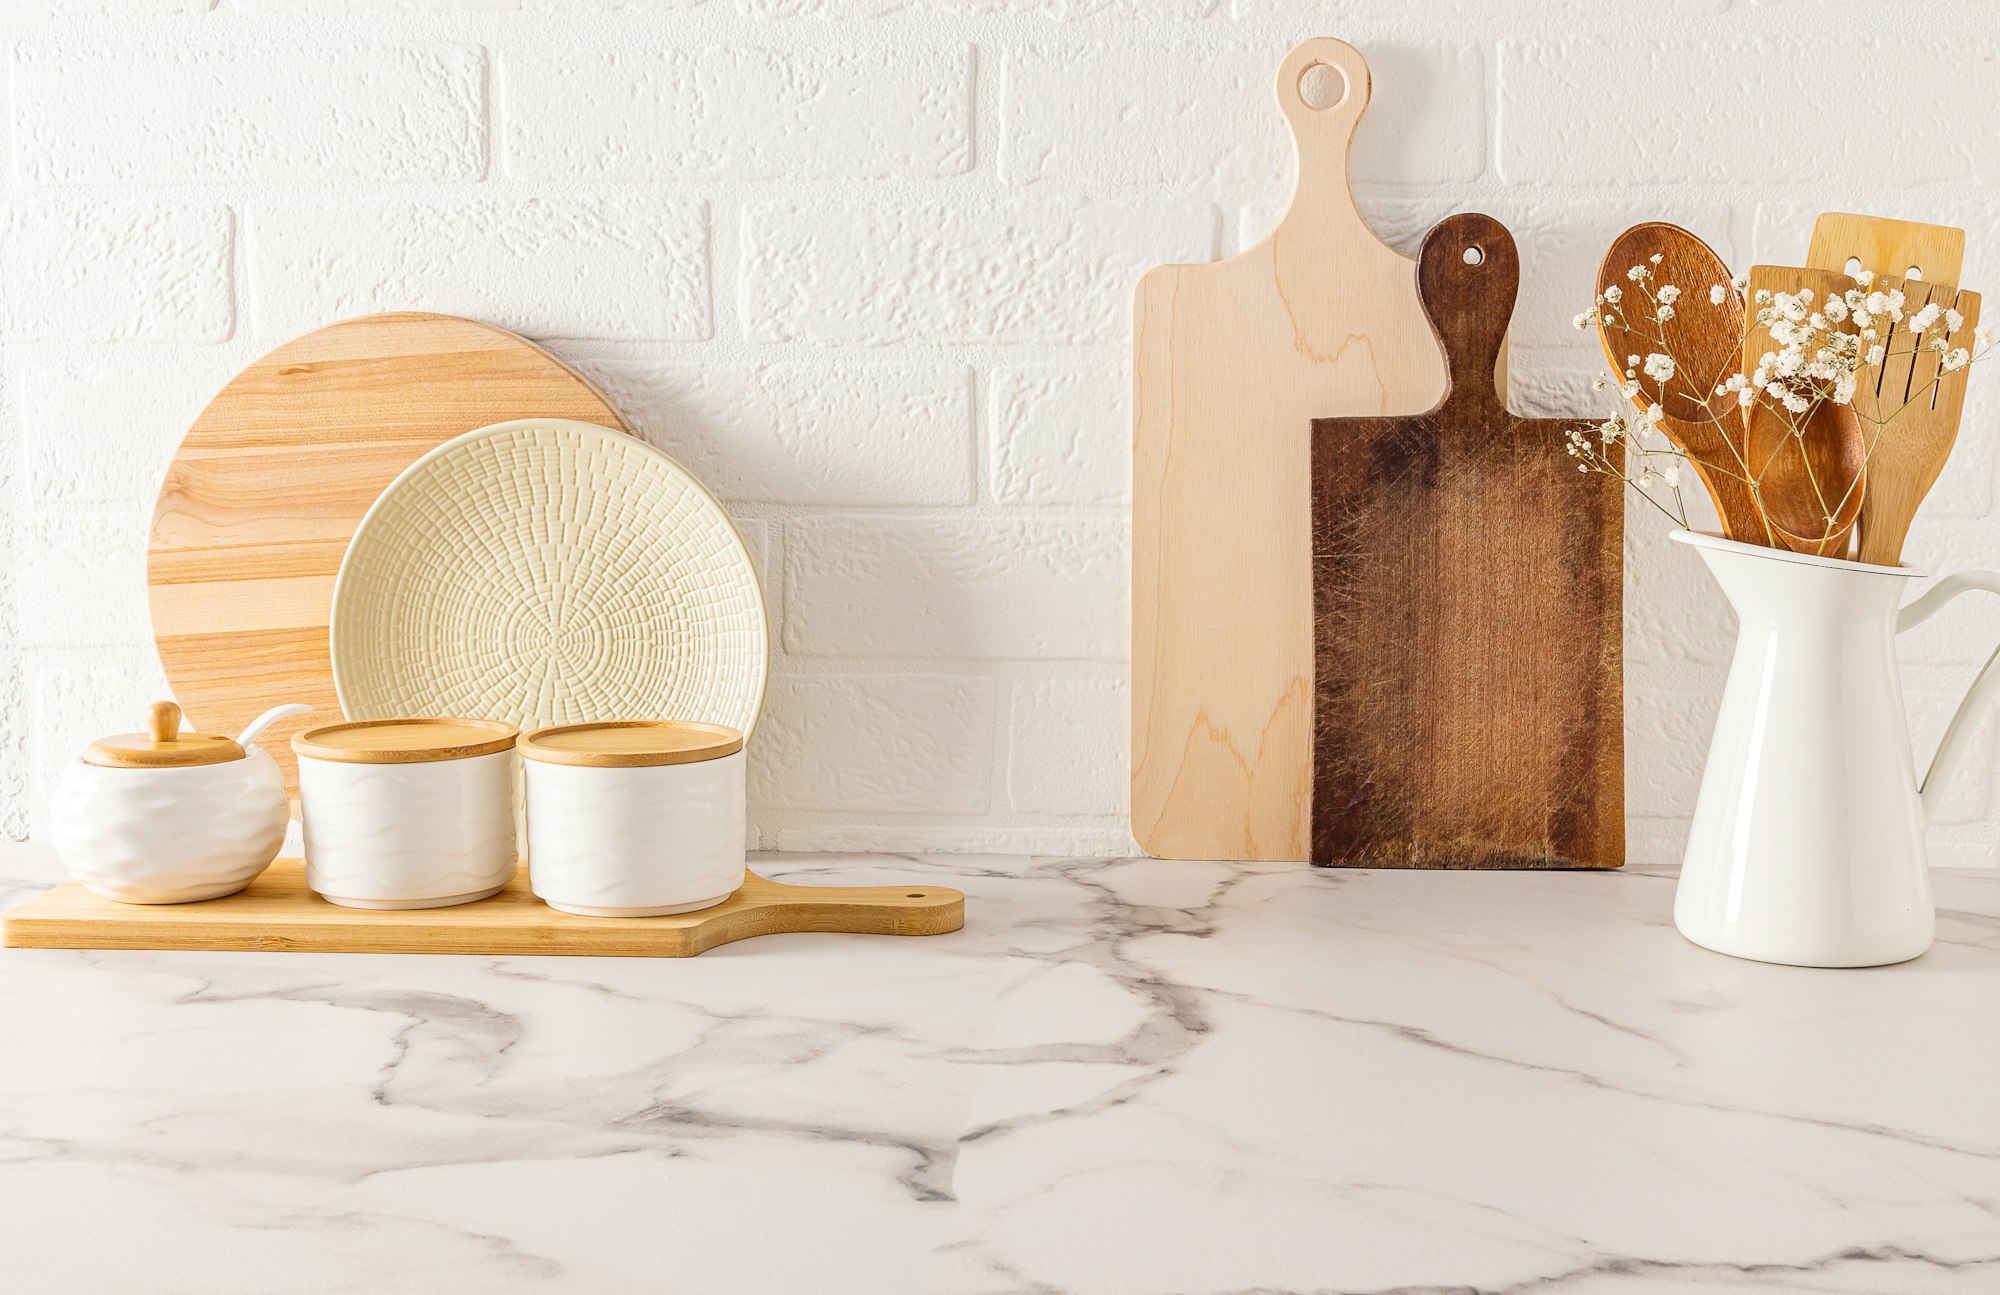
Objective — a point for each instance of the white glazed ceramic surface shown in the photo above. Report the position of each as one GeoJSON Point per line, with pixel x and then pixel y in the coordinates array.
{"type": "Point", "coordinates": [1808, 840]}
{"type": "Point", "coordinates": [636, 842]}
{"type": "Point", "coordinates": [549, 572]}
{"type": "Point", "coordinates": [170, 836]}
{"type": "Point", "coordinates": [420, 835]}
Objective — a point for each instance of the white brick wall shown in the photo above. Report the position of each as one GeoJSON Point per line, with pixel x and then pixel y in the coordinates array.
{"type": "Point", "coordinates": [865, 265]}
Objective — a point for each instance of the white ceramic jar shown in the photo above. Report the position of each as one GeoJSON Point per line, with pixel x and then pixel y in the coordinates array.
{"type": "Point", "coordinates": [408, 813]}
{"type": "Point", "coordinates": [166, 817]}
{"type": "Point", "coordinates": [635, 819]}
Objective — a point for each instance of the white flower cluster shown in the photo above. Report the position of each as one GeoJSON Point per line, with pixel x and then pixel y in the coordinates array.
{"type": "Point", "coordinates": [1821, 351]}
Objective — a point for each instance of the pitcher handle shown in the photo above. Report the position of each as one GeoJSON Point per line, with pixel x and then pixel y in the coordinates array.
{"type": "Point", "coordinates": [1959, 732]}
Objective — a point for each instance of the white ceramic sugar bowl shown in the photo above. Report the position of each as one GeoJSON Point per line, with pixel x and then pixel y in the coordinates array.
{"type": "Point", "coordinates": [635, 819]}
{"type": "Point", "coordinates": [166, 817]}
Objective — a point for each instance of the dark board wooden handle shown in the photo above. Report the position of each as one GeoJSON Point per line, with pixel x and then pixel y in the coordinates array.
{"type": "Point", "coordinates": [1467, 276]}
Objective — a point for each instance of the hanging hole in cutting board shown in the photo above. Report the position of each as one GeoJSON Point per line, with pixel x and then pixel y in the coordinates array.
{"type": "Point", "coordinates": [1914, 272]}
{"type": "Point", "coordinates": [1474, 256]}
{"type": "Point", "coordinates": [1322, 86]}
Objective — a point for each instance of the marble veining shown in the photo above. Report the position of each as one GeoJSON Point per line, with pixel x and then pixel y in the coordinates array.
{"type": "Point", "coordinates": [1124, 1076]}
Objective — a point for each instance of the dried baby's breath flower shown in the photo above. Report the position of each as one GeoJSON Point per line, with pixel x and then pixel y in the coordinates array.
{"type": "Point", "coordinates": [1820, 349]}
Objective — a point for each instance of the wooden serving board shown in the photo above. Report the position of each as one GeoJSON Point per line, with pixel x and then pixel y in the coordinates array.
{"type": "Point", "coordinates": [1230, 362]}
{"type": "Point", "coordinates": [277, 913]}
{"type": "Point", "coordinates": [268, 485]}
{"type": "Point", "coordinates": [1467, 599]}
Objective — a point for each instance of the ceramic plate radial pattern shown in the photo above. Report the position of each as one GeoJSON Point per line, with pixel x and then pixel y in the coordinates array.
{"type": "Point", "coordinates": [549, 572]}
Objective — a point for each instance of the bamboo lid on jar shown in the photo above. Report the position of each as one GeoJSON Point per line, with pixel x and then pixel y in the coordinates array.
{"type": "Point", "coordinates": [405, 741]}
{"type": "Point", "coordinates": [162, 745]}
{"type": "Point", "coordinates": [630, 744]}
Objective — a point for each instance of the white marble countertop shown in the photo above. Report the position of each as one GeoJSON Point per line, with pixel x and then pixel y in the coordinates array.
{"type": "Point", "coordinates": [1122, 1076]}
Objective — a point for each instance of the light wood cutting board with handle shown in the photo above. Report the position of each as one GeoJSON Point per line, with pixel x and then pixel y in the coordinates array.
{"type": "Point", "coordinates": [1231, 363]}
{"type": "Point", "coordinates": [1467, 599]}
{"type": "Point", "coordinates": [268, 485]}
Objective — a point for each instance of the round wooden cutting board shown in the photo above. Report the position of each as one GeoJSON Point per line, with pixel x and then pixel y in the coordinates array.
{"type": "Point", "coordinates": [266, 489]}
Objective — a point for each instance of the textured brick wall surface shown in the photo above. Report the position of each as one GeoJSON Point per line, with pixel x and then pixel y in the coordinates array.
{"type": "Point", "coordinates": [866, 266]}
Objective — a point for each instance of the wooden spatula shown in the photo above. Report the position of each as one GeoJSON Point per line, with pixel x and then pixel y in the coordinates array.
{"type": "Point", "coordinates": [1811, 484]}
{"type": "Point", "coordinates": [1900, 249]}
{"type": "Point", "coordinates": [1911, 449]}
{"type": "Point", "coordinates": [1921, 406]}
{"type": "Point", "coordinates": [1706, 339]}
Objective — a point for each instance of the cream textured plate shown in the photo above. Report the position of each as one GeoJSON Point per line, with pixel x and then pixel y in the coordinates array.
{"type": "Point", "coordinates": [549, 572]}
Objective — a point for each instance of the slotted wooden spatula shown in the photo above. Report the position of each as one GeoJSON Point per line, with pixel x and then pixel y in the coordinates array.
{"type": "Point", "coordinates": [1921, 406]}
{"type": "Point", "coordinates": [1811, 484]}
{"type": "Point", "coordinates": [1707, 341]}
{"type": "Point", "coordinates": [1899, 249]}
{"type": "Point", "coordinates": [1912, 447]}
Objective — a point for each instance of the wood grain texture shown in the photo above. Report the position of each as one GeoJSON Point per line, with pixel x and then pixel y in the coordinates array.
{"type": "Point", "coordinates": [1467, 600]}
{"type": "Point", "coordinates": [1922, 406]}
{"type": "Point", "coordinates": [1706, 340]}
{"type": "Point", "coordinates": [277, 912]}
{"type": "Point", "coordinates": [1887, 247]}
{"type": "Point", "coordinates": [162, 745]}
{"type": "Point", "coordinates": [631, 744]}
{"type": "Point", "coordinates": [1913, 447]}
{"type": "Point", "coordinates": [405, 741]}
{"type": "Point", "coordinates": [1812, 481]}
{"type": "Point", "coordinates": [1231, 361]}
{"type": "Point", "coordinates": [268, 485]}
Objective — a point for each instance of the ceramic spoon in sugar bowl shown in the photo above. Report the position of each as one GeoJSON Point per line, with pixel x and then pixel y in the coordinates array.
{"type": "Point", "coordinates": [1706, 341]}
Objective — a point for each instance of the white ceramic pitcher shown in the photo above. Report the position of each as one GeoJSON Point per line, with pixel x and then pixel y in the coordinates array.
{"type": "Point", "coordinates": [1808, 839]}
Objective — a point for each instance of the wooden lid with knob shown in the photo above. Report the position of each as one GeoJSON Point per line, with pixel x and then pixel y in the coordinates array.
{"type": "Point", "coordinates": [162, 745]}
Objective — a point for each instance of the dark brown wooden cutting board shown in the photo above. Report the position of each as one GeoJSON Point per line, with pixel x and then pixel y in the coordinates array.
{"type": "Point", "coordinates": [1468, 698]}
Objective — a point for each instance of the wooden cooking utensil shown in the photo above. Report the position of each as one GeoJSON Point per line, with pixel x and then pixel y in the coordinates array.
{"type": "Point", "coordinates": [1921, 406]}
{"type": "Point", "coordinates": [1810, 485]}
{"type": "Point", "coordinates": [1466, 602]}
{"type": "Point", "coordinates": [268, 485]}
{"type": "Point", "coordinates": [1707, 341]}
{"type": "Point", "coordinates": [1899, 249]}
{"type": "Point", "coordinates": [1231, 361]}
{"type": "Point", "coordinates": [1910, 451]}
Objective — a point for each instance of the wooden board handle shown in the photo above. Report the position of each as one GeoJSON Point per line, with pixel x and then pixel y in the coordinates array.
{"type": "Point", "coordinates": [1467, 275]}
{"type": "Point", "coordinates": [1336, 76]}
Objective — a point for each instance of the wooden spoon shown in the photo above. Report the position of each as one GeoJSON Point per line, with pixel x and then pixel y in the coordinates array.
{"type": "Point", "coordinates": [1917, 407]}
{"type": "Point", "coordinates": [1810, 485]}
{"type": "Point", "coordinates": [1707, 342]}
